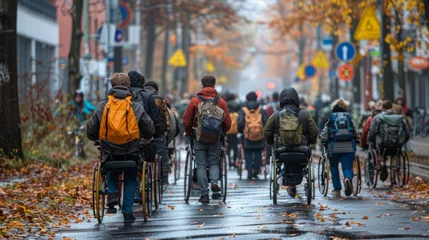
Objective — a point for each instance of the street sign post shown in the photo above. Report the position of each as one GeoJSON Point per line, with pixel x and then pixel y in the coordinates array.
{"type": "Point", "coordinates": [346, 72]}
{"type": "Point", "coordinates": [345, 51]}
{"type": "Point", "coordinates": [369, 26]}
{"type": "Point", "coordinates": [310, 71]}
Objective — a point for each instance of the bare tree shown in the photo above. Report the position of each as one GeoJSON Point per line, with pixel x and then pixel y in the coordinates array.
{"type": "Point", "coordinates": [10, 130]}
{"type": "Point", "coordinates": [76, 39]}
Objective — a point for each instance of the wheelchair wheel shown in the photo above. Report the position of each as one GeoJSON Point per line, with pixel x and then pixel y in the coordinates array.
{"type": "Point", "coordinates": [147, 195]}
{"type": "Point", "coordinates": [240, 161]}
{"type": "Point", "coordinates": [309, 185]}
{"type": "Point", "coordinates": [357, 178]}
{"type": "Point", "coordinates": [176, 165]}
{"type": "Point", "coordinates": [223, 175]}
{"type": "Point", "coordinates": [407, 167]}
{"type": "Point", "coordinates": [265, 162]}
{"type": "Point", "coordinates": [98, 194]}
{"type": "Point", "coordinates": [160, 180]}
{"type": "Point", "coordinates": [188, 175]}
{"type": "Point", "coordinates": [323, 175]}
{"type": "Point", "coordinates": [154, 180]}
{"type": "Point", "coordinates": [271, 177]}
{"type": "Point", "coordinates": [275, 187]}
{"type": "Point", "coordinates": [402, 169]}
{"type": "Point", "coordinates": [371, 173]}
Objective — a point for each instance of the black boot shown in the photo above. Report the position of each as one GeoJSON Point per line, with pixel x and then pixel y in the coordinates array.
{"type": "Point", "coordinates": [112, 199]}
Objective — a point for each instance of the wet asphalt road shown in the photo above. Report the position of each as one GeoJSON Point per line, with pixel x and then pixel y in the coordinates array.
{"type": "Point", "coordinates": [250, 214]}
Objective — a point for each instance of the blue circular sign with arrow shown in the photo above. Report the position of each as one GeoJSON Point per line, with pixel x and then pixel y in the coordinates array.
{"type": "Point", "coordinates": [345, 51]}
{"type": "Point", "coordinates": [310, 71]}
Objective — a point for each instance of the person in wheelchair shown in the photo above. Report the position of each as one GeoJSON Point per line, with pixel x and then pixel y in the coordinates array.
{"type": "Point", "coordinates": [291, 129]}
{"type": "Point", "coordinates": [387, 135]}
{"type": "Point", "coordinates": [340, 137]}
{"type": "Point", "coordinates": [120, 123]}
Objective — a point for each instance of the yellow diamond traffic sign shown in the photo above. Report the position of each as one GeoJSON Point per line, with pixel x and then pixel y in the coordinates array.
{"type": "Point", "coordinates": [320, 60]}
{"type": "Point", "coordinates": [369, 26]}
{"type": "Point", "coordinates": [209, 67]}
{"type": "Point", "coordinates": [178, 59]}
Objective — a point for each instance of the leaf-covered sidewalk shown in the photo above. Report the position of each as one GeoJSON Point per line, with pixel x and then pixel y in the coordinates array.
{"type": "Point", "coordinates": [46, 199]}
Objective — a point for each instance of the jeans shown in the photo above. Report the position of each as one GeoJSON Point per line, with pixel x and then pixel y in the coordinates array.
{"type": "Point", "coordinates": [346, 164]}
{"type": "Point", "coordinates": [162, 151]}
{"type": "Point", "coordinates": [253, 159]}
{"type": "Point", "coordinates": [129, 188]}
{"type": "Point", "coordinates": [207, 156]}
{"type": "Point", "coordinates": [232, 147]}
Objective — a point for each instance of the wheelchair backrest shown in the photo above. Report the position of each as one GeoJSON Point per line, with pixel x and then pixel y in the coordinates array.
{"type": "Point", "coordinates": [124, 151]}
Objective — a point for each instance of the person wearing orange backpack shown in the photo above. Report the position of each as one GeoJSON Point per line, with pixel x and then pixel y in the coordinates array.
{"type": "Point", "coordinates": [251, 122]}
{"type": "Point", "coordinates": [120, 122]}
{"type": "Point", "coordinates": [233, 108]}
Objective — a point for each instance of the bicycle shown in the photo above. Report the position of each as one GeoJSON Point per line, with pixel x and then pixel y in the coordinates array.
{"type": "Point", "coordinates": [79, 143]}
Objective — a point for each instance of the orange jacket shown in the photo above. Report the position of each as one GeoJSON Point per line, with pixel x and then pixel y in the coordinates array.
{"type": "Point", "coordinates": [190, 115]}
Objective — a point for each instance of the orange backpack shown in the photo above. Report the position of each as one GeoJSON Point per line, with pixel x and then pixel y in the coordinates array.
{"type": "Point", "coordinates": [119, 124]}
{"type": "Point", "coordinates": [234, 124]}
{"type": "Point", "coordinates": [253, 128]}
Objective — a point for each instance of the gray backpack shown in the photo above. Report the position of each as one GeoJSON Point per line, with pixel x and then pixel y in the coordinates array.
{"type": "Point", "coordinates": [392, 131]}
{"type": "Point", "coordinates": [209, 121]}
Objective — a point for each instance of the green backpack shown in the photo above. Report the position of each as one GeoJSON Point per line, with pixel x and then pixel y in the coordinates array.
{"type": "Point", "coordinates": [290, 127]}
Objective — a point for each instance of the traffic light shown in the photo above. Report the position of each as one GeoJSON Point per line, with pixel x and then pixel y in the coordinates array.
{"type": "Point", "coordinates": [271, 85]}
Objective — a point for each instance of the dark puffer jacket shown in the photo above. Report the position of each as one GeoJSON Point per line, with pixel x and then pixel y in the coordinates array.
{"type": "Point", "coordinates": [251, 105]}
{"type": "Point", "coordinates": [146, 100]}
{"type": "Point", "coordinates": [289, 99]}
{"type": "Point", "coordinates": [145, 123]}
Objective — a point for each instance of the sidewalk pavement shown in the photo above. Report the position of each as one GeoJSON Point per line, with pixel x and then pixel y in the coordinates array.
{"type": "Point", "coordinates": [420, 146]}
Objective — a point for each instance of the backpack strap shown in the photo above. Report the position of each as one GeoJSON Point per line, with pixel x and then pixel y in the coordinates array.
{"type": "Point", "coordinates": [302, 117]}
{"type": "Point", "coordinates": [202, 99]}
{"type": "Point", "coordinates": [216, 100]}
{"type": "Point", "coordinates": [276, 127]}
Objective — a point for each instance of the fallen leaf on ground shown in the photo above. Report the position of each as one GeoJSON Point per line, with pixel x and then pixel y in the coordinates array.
{"type": "Point", "coordinates": [252, 182]}
{"type": "Point", "coordinates": [200, 209]}
{"type": "Point", "coordinates": [292, 215]}
{"type": "Point", "coordinates": [347, 224]}
{"type": "Point", "coordinates": [202, 225]}
{"type": "Point", "coordinates": [378, 216]}
{"type": "Point", "coordinates": [388, 214]}
{"type": "Point", "coordinates": [287, 221]}
{"type": "Point", "coordinates": [365, 218]}
{"type": "Point", "coordinates": [404, 229]}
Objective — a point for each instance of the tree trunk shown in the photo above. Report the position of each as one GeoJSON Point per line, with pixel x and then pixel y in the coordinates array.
{"type": "Point", "coordinates": [165, 59]}
{"type": "Point", "coordinates": [426, 3]}
{"type": "Point", "coordinates": [76, 39]}
{"type": "Point", "coordinates": [386, 64]}
{"type": "Point", "coordinates": [150, 44]}
{"type": "Point", "coordinates": [334, 85]}
{"type": "Point", "coordinates": [186, 42]}
{"type": "Point", "coordinates": [10, 130]}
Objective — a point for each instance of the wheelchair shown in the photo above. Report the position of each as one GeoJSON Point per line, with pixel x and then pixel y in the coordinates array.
{"type": "Point", "coordinates": [241, 161]}
{"type": "Point", "coordinates": [279, 161]}
{"type": "Point", "coordinates": [190, 176]}
{"type": "Point", "coordinates": [118, 158]}
{"type": "Point", "coordinates": [323, 172]}
{"type": "Point", "coordinates": [377, 160]}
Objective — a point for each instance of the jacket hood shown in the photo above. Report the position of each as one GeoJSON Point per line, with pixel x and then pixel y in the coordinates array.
{"type": "Point", "coordinates": [289, 97]}
{"type": "Point", "coordinates": [233, 106]}
{"type": "Point", "coordinates": [208, 92]}
{"type": "Point", "coordinates": [392, 119]}
{"type": "Point", "coordinates": [252, 105]}
{"type": "Point", "coordinates": [151, 90]}
{"type": "Point", "coordinates": [120, 92]}
{"type": "Point", "coordinates": [136, 79]}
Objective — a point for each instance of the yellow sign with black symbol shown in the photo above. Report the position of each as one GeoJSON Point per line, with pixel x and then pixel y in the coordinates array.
{"type": "Point", "coordinates": [369, 26]}
{"type": "Point", "coordinates": [178, 59]}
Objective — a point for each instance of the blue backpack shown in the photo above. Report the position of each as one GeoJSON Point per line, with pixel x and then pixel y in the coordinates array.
{"type": "Point", "coordinates": [341, 127]}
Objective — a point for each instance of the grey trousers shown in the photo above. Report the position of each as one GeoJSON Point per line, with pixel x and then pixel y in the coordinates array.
{"type": "Point", "coordinates": [161, 149]}
{"type": "Point", "coordinates": [207, 156]}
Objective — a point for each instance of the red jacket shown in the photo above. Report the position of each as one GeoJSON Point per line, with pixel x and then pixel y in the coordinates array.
{"type": "Point", "coordinates": [190, 115]}
{"type": "Point", "coordinates": [364, 137]}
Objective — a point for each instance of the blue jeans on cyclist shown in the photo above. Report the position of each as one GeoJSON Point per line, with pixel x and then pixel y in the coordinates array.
{"type": "Point", "coordinates": [129, 188]}
{"type": "Point", "coordinates": [207, 156]}
{"type": "Point", "coordinates": [253, 159]}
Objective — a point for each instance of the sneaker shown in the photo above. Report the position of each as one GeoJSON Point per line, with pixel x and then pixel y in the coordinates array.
{"type": "Point", "coordinates": [215, 188]}
{"type": "Point", "coordinates": [348, 187]}
{"type": "Point", "coordinates": [204, 199]}
{"type": "Point", "coordinates": [112, 199]}
{"type": "Point", "coordinates": [129, 217]}
{"type": "Point", "coordinates": [111, 210]}
{"type": "Point", "coordinates": [291, 191]}
{"type": "Point", "coordinates": [255, 176]}
{"type": "Point", "coordinates": [384, 174]}
{"type": "Point", "coordinates": [216, 196]}
{"type": "Point", "coordinates": [336, 193]}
